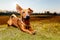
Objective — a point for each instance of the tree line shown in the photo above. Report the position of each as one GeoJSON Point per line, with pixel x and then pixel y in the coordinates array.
{"type": "Point", "coordinates": [45, 13]}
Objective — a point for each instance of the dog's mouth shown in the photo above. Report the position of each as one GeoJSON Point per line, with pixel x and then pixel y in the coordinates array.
{"type": "Point", "coordinates": [27, 18]}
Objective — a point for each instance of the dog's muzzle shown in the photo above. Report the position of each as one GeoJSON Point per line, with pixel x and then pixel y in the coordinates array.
{"type": "Point", "coordinates": [27, 18]}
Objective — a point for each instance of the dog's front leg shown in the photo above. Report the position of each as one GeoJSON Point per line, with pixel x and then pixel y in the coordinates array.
{"type": "Point", "coordinates": [25, 30]}
{"type": "Point", "coordinates": [22, 27]}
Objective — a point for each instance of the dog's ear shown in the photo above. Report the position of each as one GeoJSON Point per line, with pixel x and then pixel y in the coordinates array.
{"type": "Point", "coordinates": [30, 10]}
{"type": "Point", "coordinates": [18, 8]}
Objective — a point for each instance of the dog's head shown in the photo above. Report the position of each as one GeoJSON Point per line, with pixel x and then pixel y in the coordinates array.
{"type": "Point", "coordinates": [25, 13]}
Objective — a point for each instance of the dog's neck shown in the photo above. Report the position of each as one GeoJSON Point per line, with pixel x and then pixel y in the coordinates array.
{"type": "Point", "coordinates": [27, 22]}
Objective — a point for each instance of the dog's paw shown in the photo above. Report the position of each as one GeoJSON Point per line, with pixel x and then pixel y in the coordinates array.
{"type": "Point", "coordinates": [34, 32]}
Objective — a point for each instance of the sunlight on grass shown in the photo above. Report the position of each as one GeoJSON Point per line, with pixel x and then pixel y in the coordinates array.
{"type": "Point", "coordinates": [44, 31]}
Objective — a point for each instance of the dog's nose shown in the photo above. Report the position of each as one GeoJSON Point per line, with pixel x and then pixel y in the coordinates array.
{"type": "Point", "coordinates": [27, 17]}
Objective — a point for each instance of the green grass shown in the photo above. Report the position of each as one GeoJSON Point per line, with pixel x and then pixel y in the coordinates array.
{"type": "Point", "coordinates": [44, 31]}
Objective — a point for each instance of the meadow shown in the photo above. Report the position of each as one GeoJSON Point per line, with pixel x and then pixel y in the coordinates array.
{"type": "Point", "coordinates": [46, 29]}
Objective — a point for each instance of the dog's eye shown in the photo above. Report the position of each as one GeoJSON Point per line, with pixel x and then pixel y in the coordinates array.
{"type": "Point", "coordinates": [28, 12]}
{"type": "Point", "coordinates": [23, 12]}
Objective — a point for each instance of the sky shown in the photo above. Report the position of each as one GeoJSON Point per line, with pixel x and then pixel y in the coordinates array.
{"type": "Point", "coordinates": [35, 5]}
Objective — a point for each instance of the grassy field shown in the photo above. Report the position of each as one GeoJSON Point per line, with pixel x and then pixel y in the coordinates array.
{"type": "Point", "coordinates": [46, 29]}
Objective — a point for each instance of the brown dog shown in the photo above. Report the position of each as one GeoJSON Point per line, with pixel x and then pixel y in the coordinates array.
{"type": "Point", "coordinates": [24, 22]}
